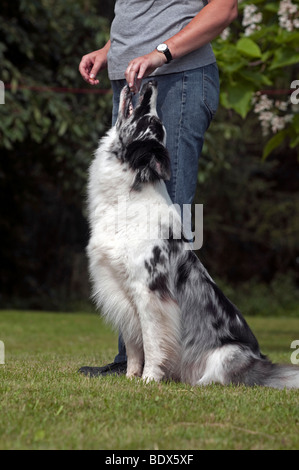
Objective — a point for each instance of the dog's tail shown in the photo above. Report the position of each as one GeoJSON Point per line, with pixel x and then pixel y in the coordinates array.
{"type": "Point", "coordinates": [283, 376]}
{"type": "Point", "coordinates": [264, 372]}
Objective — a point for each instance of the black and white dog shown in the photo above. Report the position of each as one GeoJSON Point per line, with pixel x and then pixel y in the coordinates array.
{"type": "Point", "coordinates": [175, 321]}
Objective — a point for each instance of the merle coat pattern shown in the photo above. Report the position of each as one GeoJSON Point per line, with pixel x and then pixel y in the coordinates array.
{"type": "Point", "coordinates": [175, 321]}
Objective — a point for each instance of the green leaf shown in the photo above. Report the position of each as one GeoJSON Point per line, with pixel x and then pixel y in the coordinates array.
{"type": "Point", "coordinates": [266, 80]}
{"type": "Point", "coordinates": [273, 143]}
{"type": "Point", "coordinates": [249, 48]}
{"type": "Point", "coordinates": [14, 85]}
{"type": "Point", "coordinates": [238, 97]}
{"type": "Point", "coordinates": [284, 57]}
{"type": "Point", "coordinates": [294, 142]}
{"type": "Point", "coordinates": [257, 78]}
{"type": "Point", "coordinates": [266, 55]}
{"type": "Point", "coordinates": [287, 38]}
{"type": "Point", "coordinates": [272, 7]}
{"type": "Point", "coordinates": [295, 123]}
{"type": "Point", "coordinates": [231, 66]}
{"type": "Point", "coordinates": [62, 129]}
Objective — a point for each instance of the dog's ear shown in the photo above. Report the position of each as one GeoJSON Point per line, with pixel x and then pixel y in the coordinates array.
{"type": "Point", "coordinates": [149, 159]}
{"type": "Point", "coordinates": [160, 162]}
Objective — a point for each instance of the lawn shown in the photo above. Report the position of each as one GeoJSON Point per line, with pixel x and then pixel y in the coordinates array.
{"type": "Point", "coordinates": [46, 404]}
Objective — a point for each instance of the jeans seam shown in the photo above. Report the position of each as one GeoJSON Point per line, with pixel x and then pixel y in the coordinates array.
{"type": "Point", "coordinates": [205, 78]}
{"type": "Point", "coordinates": [182, 112]}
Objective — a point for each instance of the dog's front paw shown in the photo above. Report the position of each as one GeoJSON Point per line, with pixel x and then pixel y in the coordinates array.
{"type": "Point", "coordinates": [152, 375]}
{"type": "Point", "coordinates": [150, 379]}
{"type": "Point", "coordinates": [134, 369]}
{"type": "Point", "coordinates": [133, 375]}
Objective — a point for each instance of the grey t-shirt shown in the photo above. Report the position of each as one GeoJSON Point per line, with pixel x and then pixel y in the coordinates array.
{"type": "Point", "coordinates": [140, 25]}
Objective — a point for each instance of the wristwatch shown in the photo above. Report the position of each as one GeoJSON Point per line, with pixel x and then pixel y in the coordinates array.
{"type": "Point", "coordinates": [164, 48]}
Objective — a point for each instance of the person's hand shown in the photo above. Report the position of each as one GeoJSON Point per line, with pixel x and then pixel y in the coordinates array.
{"type": "Point", "coordinates": [142, 67]}
{"type": "Point", "coordinates": [91, 64]}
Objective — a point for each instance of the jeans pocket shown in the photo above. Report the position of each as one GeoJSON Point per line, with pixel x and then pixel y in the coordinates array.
{"type": "Point", "coordinates": [211, 88]}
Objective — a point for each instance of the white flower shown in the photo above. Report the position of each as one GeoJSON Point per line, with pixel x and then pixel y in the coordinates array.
{"type": "Point", "coordinates": [250, 29]}
{"type": "Point", "coordinates": [288, 15]}
{"type": "Point", "coordinates": [281, 105]}
{"type": "Point", "coordinates": [225, 33]}
{"type": "Point", "coordinates": [263, 103]}
{"type": "Point", "coordinates": [251, 19]}
{"type": "Point", "coordinates": [277, 124]}
{"type": "Point", "coordinates": [270, 113]}
{"type": "Point", "coordinates": [287, 7]}
{"type": "Point", "coordinates": [265, 119]}
{"type": "Point", "coordinates": [288, 118]}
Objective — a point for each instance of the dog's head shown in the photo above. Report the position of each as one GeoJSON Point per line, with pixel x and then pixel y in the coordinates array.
{"type": "Point", "coordinates": [142, 136]}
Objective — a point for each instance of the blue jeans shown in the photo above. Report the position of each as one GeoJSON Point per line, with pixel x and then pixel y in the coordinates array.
{"type": "Point", "coordinates": [186, 104]}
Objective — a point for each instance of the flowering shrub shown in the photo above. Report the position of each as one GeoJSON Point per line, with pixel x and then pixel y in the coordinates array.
{"type": "Point", "coordinates": [251, 19]}
{"type": "Point", "coordinates": [258, 58]}
{"type": "Point", "coordinates": [288, 15]}
{"type": "Point", "coordinates": [268, 111]}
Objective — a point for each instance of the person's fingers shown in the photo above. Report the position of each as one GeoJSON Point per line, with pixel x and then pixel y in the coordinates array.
{"type": "Point", "coordinates": [84, 67]}
{"type": "Point", "coordinates": [130, 74]}
{"type": "Point", "coordinates": [89, 68]}
{"type": "Point", "coordinates": [93, 81]}
{"type": "Point", "coordinates": [95, 69]}
{"type": "Point", "coordinates": [142, 70]}
{"type": "Point", "coordinates": [135, 72]}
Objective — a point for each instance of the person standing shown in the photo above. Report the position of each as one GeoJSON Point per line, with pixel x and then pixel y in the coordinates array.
{"type": "Point", "coordinates": [168, 40]}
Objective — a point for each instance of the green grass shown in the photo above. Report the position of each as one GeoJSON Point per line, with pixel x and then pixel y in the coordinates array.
{"type": "Point", "coordinates": [46, 404]}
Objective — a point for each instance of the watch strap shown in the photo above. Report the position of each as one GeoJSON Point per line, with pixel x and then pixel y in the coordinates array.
{"type": "Point", "coordinates": [168, 55]}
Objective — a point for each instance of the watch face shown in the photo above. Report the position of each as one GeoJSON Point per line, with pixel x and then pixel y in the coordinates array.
{"type": "Point", "coordinates": [162, 47]}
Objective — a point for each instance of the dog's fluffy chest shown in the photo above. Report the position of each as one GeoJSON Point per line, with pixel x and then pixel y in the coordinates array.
{"type": "Point", "coordinates": [124, 222]}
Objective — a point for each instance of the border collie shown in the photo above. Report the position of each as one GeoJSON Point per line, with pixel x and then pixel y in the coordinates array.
{"type": "Point", "coordinates": [176, 323]}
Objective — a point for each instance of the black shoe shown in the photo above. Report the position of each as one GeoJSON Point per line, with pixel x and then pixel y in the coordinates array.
{"type": "Point", "coordinates": [115, 368]}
